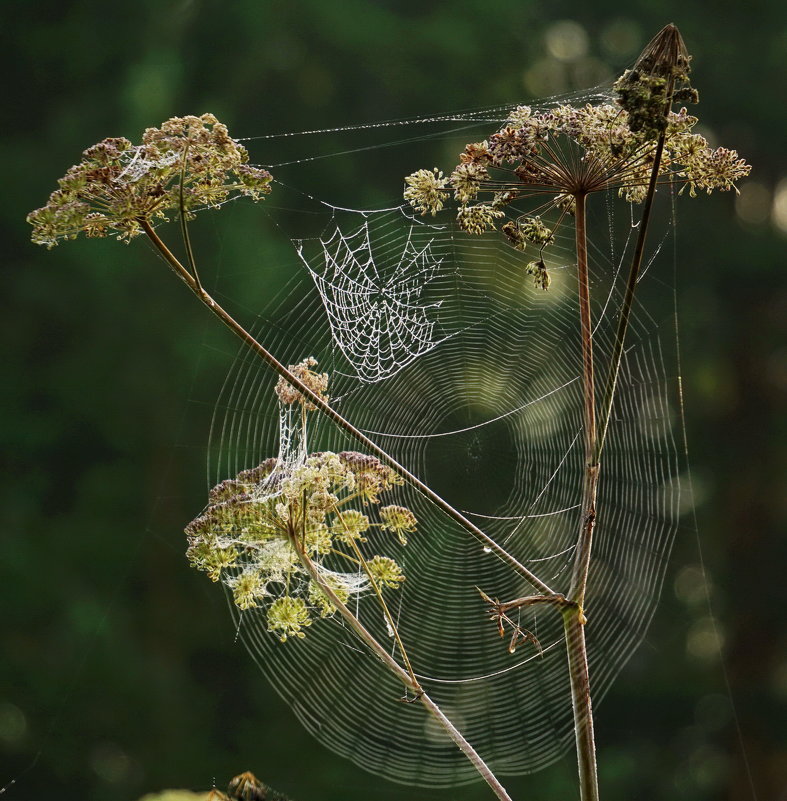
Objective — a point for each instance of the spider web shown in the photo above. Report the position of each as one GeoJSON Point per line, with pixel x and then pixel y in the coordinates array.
{"type": "Point", "coordinates": [442, 350]}
{"type": "Point", "coordinates": [374, 302]}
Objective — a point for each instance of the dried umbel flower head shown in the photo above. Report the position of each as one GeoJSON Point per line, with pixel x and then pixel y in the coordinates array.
{"type": "Point", "coordinates": [189, 162]}
{"type": "Point", "coordinates": [257, 526]}
{"type": "Point", "coordinates": [560, 153]}
{"type": "Point", "coordinates": [316, 382]}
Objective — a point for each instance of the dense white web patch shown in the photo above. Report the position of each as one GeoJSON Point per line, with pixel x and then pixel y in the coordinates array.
{"type": "Point", "coordinates": [139, 165]}
{"type": "Point", "coordinates": [375, 306]}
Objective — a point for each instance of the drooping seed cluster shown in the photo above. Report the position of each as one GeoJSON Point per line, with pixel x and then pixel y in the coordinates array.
{"type": "Point", "coordinates": [189, 161]}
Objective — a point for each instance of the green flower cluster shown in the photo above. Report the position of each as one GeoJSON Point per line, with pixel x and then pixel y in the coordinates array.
{"type": "Point", "coordinates": [259, 529]}
{"type": "Point", "coordinates": [117, 186]}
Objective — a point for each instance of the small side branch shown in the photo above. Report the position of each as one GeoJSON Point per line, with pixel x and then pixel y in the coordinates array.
{"type": "Point", "coordinates": [498, 614]}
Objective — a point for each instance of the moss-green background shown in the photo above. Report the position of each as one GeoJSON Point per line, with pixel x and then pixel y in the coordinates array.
{"type": "Point", "coordinates": [119, 674]}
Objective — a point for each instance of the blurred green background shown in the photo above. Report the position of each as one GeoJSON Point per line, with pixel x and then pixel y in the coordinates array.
{"type": "Point", "coordinates": [119, 672]}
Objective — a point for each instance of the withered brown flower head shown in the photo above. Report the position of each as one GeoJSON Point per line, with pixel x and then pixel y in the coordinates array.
{"type": "Point", "coordinates": [559, 153]}
{"type": "Point", "coordinates": [188, 161]}
{"type": "Point", "coordinates": [317, 382]}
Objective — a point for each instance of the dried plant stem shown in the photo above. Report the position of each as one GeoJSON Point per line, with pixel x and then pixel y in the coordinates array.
{"type": "Point", "coordinates": [628, 298]}
{"type": "Point", "coordinates": [574, 628]}
{"type": "Point", "coordinates": [590, 484]}
{"type": "Point", "coordinates": [573, 615]}
{"type": "Point", "coordinates": [333, 415]}
{"type": "Point", "coordinates": [408, 679]}
{"type": "Point", "coordinates": [595, 434]}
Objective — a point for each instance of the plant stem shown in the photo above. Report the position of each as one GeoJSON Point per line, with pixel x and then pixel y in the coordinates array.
{"type": "Point", "coordinates": [590, 482]}
{"type": "Point", "coordinates": [333, 415]}
{"type": "Point", "coordinates": [628, 297]}
{"type": "Point", "coordinates": [574, 619]}
{"type": "Point", "coordinates": [574, 628]}
{"type": "Point", "coordinates": [408, 679]}
{"type": "Point", "coordinates": [586, 326]}
{"type": "Point", "coordinates": [573, 616]}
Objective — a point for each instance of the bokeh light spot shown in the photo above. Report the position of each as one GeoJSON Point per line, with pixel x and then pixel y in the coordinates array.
{"type": "Point", "coordinates": [753, 203]}
{"type": "Point", "coordinates": [621, 37]}
{"type": "Point", "coordinates": [779, 209]}
{"type": "Point", "coordinates": [566, 40]}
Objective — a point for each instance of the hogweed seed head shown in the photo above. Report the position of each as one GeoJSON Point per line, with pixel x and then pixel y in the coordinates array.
{"type": "Point", "coordinates": [478, 219]}
{"type": "Point", "coordinates": [425, 190]}
{"type": "Point", "coordinates": [399, 520]}
{"type": "Point", "coordinates": [316, 382]}
{"type": "Point", "coordinates": [247, 588]}
{"type": "Point", "coordinates": [540, 275]}
{"type": "Point", "coordinates": [350, 524]}
{"type": "Point", "coordinates": [288, 616]}
{"type": "Point", "coordinates": [562, 152]}
{"type": "Point", "coordinates": [385, 571]}
{"type": "Point", "coordinates": [536, 232]}
{"type": "Point", "coordinates": [117, 185]}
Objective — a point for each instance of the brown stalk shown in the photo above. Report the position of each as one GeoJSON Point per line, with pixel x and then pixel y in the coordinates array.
{"type": "Point", "coordinates": [660, 56]}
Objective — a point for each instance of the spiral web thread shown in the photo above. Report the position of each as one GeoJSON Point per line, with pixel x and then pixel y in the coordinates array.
{"type": "Point", "coordinates": [468, 375]}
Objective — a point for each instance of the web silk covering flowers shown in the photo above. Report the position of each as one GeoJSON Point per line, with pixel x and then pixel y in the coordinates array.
{"type": "Point", "coordinates": [261, 528]}
{"type": "Point", "coordinates": [247, 535]}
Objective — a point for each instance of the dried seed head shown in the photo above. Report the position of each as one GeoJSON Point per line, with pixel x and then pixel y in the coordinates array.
{"type": "Point", "coordinates": [426, 190]}
{"type": "Point", "coordinates": [648, 90]}
{"type": "Point", "coordinates": [540, 275]}
{"type": "Point", "coordinates": [188, 160]}
{"type": "Point", "coordinates": [316, 382]}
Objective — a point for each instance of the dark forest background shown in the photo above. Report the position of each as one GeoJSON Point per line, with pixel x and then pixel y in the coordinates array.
{"type": "Point", "coordinates": [119, 673]}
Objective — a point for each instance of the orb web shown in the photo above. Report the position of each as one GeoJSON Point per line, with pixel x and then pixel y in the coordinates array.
{"type": "Point", "coordinates": [443, 351]}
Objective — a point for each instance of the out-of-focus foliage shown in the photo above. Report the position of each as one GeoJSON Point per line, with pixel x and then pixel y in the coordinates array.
{"type": "Point", "coordinates": [120, 666]}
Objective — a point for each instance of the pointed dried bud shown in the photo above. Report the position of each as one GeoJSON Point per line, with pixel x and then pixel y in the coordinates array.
{"type": "Point", "coordinates": [646, 91]}
{"type": "Point", "coordinates": [247, 787]}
